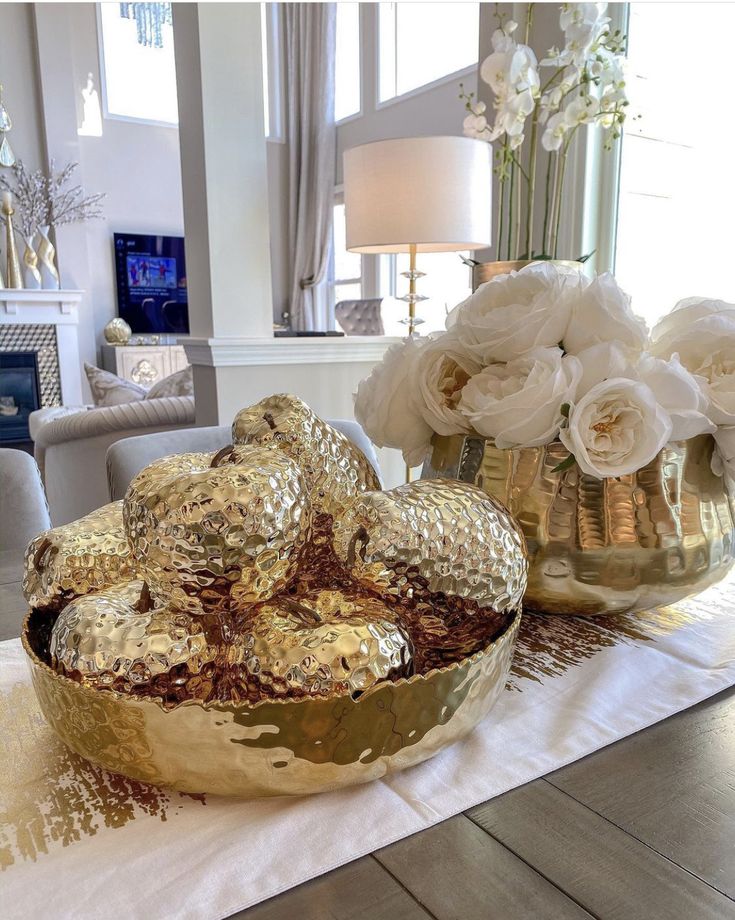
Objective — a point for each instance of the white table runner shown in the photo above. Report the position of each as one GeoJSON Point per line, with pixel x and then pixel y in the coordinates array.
{"type": "Point", "coordinates": [84, 843]}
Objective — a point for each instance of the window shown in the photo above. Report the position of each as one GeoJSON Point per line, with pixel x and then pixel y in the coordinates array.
{"type": "Point", "coordinates": [347, 64]}
{"type": "Point", "coordinates": [676, 196]}
{"type": "Point", "coordinates": [423, 42]}
{"type": "Point", "coordinates": [139, 81]}
{"type": "Point", "coordinates": [346, 266]}
{"type": "Point", "coordinates": [273, 103]}
{"type": "Point", "coordinates": [448, 281]}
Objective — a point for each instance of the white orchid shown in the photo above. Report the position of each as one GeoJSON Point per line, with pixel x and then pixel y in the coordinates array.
{"type": "Point", "coordinates": [587, 87]}
{"type": "Point", "coordinates": [582, 25]}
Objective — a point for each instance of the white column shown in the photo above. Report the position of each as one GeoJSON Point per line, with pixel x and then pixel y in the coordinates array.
{"type": "Point", "coordinates": [225, 185]}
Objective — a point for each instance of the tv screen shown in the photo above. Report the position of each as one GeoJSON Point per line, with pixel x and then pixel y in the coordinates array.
{"type": "Point", "coordinates": [151, 283]}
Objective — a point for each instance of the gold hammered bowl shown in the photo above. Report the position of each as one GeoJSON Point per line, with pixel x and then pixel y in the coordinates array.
{"type": "Point", "coordinates": [605, 546]}
{"type": "Point", "coordinates": [274, 747]}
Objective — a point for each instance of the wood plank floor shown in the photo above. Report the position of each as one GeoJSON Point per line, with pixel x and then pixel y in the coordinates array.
{"type": "Point", "coordinates": [644, 828]}
{"type": "Point", "coordinates": [641, 830]}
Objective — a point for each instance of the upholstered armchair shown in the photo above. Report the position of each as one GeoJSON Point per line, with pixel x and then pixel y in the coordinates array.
{"type": "Point", "coordinates": [70, 447]}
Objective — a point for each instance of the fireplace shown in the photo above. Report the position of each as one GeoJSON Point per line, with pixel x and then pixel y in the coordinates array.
{"type": "Point", "coordinates": [19, 393]}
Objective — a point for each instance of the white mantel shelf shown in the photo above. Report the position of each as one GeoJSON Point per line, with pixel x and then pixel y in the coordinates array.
{"type": "Point", "coordinates": [42, 307]}
{"type": "Point", "coordinates": [242, 352]}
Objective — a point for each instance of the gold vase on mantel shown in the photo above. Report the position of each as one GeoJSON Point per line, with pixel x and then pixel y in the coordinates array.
{"type": "Point", "coordinates": [486, 271]}
{"type": "Point", "coordinates": [605, 546]}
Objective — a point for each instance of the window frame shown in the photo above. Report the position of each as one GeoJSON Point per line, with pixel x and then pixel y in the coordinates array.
{"type": "Point", "coordinates": [360, 32]}
{"type": "Point", "coordinates": [276, 89]}
{"type": "Point", "coordinates": [468, 71]}
{"type": "Point", "coordinates": [338, 198]}
{"type": "Point", "coordinates": [106, 114]}
{"type": "Point", "coordinates": [595, 181]}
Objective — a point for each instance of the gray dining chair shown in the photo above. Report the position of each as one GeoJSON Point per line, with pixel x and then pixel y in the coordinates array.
{"type": "Point", "coordinates": [126, 458]}
{"type": "Point", "coordinates": [23, 515]}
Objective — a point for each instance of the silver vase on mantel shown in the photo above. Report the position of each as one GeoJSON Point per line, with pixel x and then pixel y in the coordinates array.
{"type": "Point", "coordinates": [31, 272]}
{"type": "Point", "coordinates": [605, 546]}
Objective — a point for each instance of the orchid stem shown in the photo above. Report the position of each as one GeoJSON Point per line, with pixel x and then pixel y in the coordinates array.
{"type": "Point", "coordinates": [511, 191]}
{"type": "Point", "coordinates": [546, 201]}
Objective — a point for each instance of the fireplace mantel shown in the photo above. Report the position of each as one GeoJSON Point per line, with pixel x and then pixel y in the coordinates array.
{"type": "Point", "coordinates": [49, 308]}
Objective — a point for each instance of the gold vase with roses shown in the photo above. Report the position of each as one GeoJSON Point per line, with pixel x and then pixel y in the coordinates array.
{"type": "Point", "coordinates": [613, 446]}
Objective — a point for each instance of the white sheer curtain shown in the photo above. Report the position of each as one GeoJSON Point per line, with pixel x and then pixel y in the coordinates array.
{"type": "Point", "coordinates": [310, 55]}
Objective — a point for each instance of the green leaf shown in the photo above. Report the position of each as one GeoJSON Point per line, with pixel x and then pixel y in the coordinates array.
{"type": "Point", "coordinates": [470, 262]}
{"type": "Point", "coordinates": [541, 256]}
{"type": "Point", "coordinates": [565, 464]}
{"type": "Point", "coordinates": [589, 255]}
{"type": "Point", "coordinates": [565, 407]}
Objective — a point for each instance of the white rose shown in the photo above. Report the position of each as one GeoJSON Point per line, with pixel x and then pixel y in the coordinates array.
{"type": "Point", "coordinates": [385, 403]}
{"type": "Point", "coordinates": [702, 333]}
{"type": "Point", "coordinates": [676, 390]}
{"type": "Point", "coordinates": [666, 334]}
{"type": "Point", "coordinates": [518, 404]}
{"type": "Point", "coordinates": [442, 369]}
{"type": "Point", "coordinates": [603, 314]}
{"type": "Point", "coordinates": [514, 313]}
{"type": "Point", "coordinates": [679, 393]}
{"type": "Point", "coordinates": [600, 362]}
{"type": "Point", "coordinates": [616, 428]}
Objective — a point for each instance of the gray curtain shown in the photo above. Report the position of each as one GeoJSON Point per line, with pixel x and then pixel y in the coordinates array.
{"type": "Point", "coordinates": [310, 30]}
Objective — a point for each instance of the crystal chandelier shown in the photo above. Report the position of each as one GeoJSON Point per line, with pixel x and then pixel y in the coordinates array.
{"type": "Point", "coordinates": [150, 18]}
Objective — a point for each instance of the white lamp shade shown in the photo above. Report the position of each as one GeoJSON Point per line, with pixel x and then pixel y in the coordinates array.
{"type": "Point", "coordinates": [430, 192]}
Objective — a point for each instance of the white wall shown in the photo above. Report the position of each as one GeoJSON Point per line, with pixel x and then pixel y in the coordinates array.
{"type": "Point", "coordinates": [136, 165]}
{"type": "Point", "coordinates": [20, 81]}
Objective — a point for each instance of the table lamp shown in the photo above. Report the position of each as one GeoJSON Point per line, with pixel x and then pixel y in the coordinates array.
{"type": "Point", "coordinates": [418, 194]}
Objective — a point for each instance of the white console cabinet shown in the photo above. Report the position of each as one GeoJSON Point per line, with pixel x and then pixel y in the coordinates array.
{"type": "Point", "coordinates": [144, 364]}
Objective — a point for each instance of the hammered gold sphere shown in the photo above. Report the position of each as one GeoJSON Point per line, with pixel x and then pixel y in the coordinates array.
{"type": "Point", "coordinates": [110, 640]}
{"type": "Point", "coordinates": [335, 468]}
{"type": "Point", "coordinates": [210, 540]}
{"type": "Point", "coordinates": [73, 560]}
{"type": "Point", "coordinates": [117, 332]}
{"type": "Point", "coordinates": [324, 644]}
{"type": "Point", "coordinates": [445, 537]}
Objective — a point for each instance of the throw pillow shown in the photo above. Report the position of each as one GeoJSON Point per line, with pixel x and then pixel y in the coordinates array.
{"type": "Point", "coordinates": [179, 384]}
{"type": "Point", "coordinates": [110, 390]}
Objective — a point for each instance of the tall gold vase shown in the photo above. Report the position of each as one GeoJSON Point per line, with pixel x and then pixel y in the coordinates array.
{"type": "Point", "coordinates": [605, 546]}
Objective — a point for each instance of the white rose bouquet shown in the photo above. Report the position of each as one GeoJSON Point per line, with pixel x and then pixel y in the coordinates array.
{"type": "Point", "coordinates": [546, 354]}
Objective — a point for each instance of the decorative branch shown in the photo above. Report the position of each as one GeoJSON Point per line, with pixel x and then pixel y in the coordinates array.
{"type": "Point", "coordinates": [29, 198]}
{"type": "Point", "coordinates": [69, 205]}
{"type": "Point", "coordinates": [41, 199]}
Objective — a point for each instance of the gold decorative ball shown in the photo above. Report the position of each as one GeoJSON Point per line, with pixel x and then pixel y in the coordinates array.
{"type": "Point", "coordinates": [325, 643]}
{"type": "Point", "coordinates": [335, 468]}
{"type": "Point", "coordinates": [213, 539]}
{"type": "Point", "coordinates": [73, 560]}
{"type": "Point", "coordinates": [116, 640]}
{"type": "Point", "coordinates": [117, 332]}
{"type": "Point", "coordinates": [439, 536]}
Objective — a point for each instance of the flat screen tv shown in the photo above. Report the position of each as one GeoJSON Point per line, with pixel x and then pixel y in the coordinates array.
{"type": "Point", "coordinates": [151, 283]}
